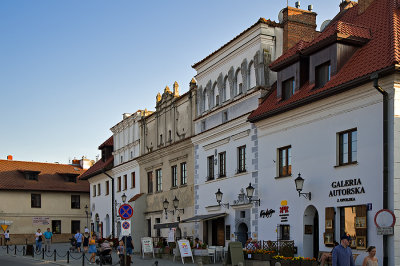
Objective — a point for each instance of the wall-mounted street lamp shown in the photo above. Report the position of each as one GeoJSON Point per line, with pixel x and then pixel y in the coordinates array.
{"type": "Point", "coordinates": [299, 187]}
{"type": "Point", "coordinates": [218, 196]}
{"type": "Point", "coordinates": [175, 202]}
{"type": "Point", "coordinates": [250, 192]}
{"type": "Point", "coordinates": [123, 197]}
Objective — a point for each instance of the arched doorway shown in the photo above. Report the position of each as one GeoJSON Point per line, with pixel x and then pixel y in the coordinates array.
{"type": "Point", "coordinates": [311, 232]}
{"type": "Point", "coordinates": [242, 233]}
{"type": "Point", "coordinates": [107, 225]}
{"type": "Point", "coordinates": [97, 221]}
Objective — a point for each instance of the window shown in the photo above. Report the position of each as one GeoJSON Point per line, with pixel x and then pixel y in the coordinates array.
{"type": "Point", "coordinates": [174, 176]}
{"type": "Point", "coordinates": [288, 87]}
{"type": "Point", "coordinates": [36, 201]}
{"type": "Point", "coordinates": [354, 222]}
{"type": "Point", "coordinates": [284, 232]}
{"type": "Point", "coordinates": [161, 139]}
{"type": "Point", "coordinates": [131, 154]}
{"type": "Point", "coordinates": [322, 74]}
{"type": "Point", "coordinates": [241, 159]}
{"type": "Point", "coordinates": [119, 184]}
{"type": "Point", "coordinates": [203, 125]}
{"type": "Point", "coordinates": [158, 180]}
{"type": "Point", "coordinates": [149, 227]}
{"type": "Point", "coordinates": [98, 189]}
{"type": "Point", "coordinates": [242, 214]}
{"type": "Point", "coordinates": [122, 159]}
{"type": "Point", "coordinates": [224, 116]}
{"type": "Point", "coordinates": [30, 175]}
{"type": "Point", "coordinates": [150, 182]}
{"type": "Point", "coordinates": [210, 168]}
{"type": "Point", "coordinates": [285, 161]}
{"type": "Point", "coordinates": [222, 164]}
{"type": "Point", "coordinates": [75, 226]}
{"type": "Point", "coordinates": [240, 88]}
{"type": "Point", "coordinates": [133, 181]}
{"type": "Point", "coordinates": [169, 135]}
{"type": "Point", "coordinates": [227, 232]}
{"type": "Point", "coordinates": [183, 173]}
{"type": "Point", "coordinates": [56, 226]}
{"type": "Point", "coordinates": [94, 190]}
{"type": "Point", "coordinates": [107, 187]}
{"type": "Point", "coordinates": [217, 100]}
{"type": "Point", "coordinates": [70, 178]}
{"type": "Point", "coordinates": [125, 182]}
{"type": "Point", "coordinates": [348, 147]}
{"type": "Point", "coordinates": [75, 202]}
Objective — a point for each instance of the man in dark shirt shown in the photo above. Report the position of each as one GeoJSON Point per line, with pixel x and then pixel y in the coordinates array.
{"type": "Point", "coordinates": [342, 255]}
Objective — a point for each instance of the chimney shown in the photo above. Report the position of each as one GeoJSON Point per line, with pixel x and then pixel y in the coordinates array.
{"type": "Point", "coordinates": [363, 5]}
{"type": "Point", "coordinates": [346, 4]}
{"type": "Point", "coordinates": [9, 158]}
{"type": "Point", "coordinates": [298, 25]}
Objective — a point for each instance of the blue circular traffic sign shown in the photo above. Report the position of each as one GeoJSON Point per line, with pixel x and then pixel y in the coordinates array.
{"type": "Point", "coordinates": [125, 211]}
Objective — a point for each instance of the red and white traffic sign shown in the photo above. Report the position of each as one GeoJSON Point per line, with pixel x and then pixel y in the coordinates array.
{"type": "Point", "coordinates": [125, 211]}
{"type": "Point", "coordinates": [126, 227]}
{"type": "Point", "coordinates": [385, 221]}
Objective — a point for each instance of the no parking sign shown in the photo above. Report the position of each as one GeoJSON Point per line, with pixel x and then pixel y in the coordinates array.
{"type": "Point", "coordinates": [126, 227]}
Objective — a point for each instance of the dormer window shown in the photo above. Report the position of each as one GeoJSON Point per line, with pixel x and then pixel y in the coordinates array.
{"type": "Point", "coordinates": [322, 74]}
{"type": "Point", "coordinates": [31, 175]}
{"type": "Point", "coordinates": [68, 177]}
{"type": "Point", "coordinates": [288, 88]}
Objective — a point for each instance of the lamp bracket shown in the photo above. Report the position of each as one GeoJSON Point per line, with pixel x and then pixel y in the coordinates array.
{"type": "Point", "coordinates": [305, 195]}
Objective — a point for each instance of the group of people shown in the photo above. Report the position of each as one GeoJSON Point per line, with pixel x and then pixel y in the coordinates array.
{"type": "Point", "coordinates": [45, 237]}
{"type": "Point", "coordinates": [342, 255]}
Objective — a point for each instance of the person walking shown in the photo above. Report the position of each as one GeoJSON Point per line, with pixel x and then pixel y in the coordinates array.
{"type": "Point", "coordinates": [47, 240]}
{"type": "Point", "coordinates": [38, 240]}
{"type": "Point", "coordinates": [129, 246]}
{"type": "Point", "coordinates": [92, 249]}
{"type": "Point", "coordinates": [341, 254]}
{"type": "Point", "coordinates": [78, 237]}
{"type": "Point", "coordinates": [370, 260]}
{"type": "Point", "coordinates": [85, 242]}
{"type": "Point", "coordinates": [7, 237]}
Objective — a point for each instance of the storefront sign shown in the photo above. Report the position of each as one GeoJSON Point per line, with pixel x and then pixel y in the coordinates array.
{"type": "Point", "coordinates": [267, 213]}
{"type": "Point", "coordinates": [346, 188]}
{"type": "Point", "coordinates": [40, 221]}
{"type": "Point", "coordinates": [284, 211]}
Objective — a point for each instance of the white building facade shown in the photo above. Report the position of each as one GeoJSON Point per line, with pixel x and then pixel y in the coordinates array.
{"type": "Point", "coordinates": [230, 82]}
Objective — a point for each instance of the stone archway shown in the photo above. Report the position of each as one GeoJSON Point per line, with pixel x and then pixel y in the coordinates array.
{"type": "Point", "coordinates": [242, 233]}
{"type": "Point", "coordinates": [311, 232]}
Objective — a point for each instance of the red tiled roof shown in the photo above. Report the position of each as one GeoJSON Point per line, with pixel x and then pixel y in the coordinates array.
{"type": "Point", "coordinates": [108, 142]}
{"type": "Point", "coordinates": [261, 20]}
{"type": "Point", "coordinates": [289, 55]}
{"type": "Point", "coordinates": [135, 197]}
{"type": "Point", "coordinates": [98, 168]}
{"type": "Point", "coordinates": [12, 177]}
{"type": "Point", "coordinates": [382, 20]}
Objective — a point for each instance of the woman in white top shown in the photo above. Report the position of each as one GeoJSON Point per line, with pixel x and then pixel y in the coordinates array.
{"type": "Point", "coordinates": [39, 239]}
{"type": "Point", "coordinates": [370, 260]}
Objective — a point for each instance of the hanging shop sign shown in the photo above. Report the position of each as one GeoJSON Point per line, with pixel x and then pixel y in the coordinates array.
{"type": "Point", "coordinates": [347, 187]}
{"type": "Point", "coordinates": [284, 211]}
{"type": "Point", "coordinates": [267, 213]}
{"type": "Point", "coordinates": [384, 221]}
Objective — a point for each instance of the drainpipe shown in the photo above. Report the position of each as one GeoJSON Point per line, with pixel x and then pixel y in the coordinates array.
{"type": "Point", "coordinates": [375, 78]}
{"type": "Point", "coordinates": [112, 204]}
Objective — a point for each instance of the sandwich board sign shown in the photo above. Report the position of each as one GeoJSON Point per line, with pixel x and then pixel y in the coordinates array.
{"type": "Point", "coordinates": [147, 246]}
{"type": "Point", "coordinates": [126, 227]}
{"type": "Point", "coordinates": [183, 250]}
{"type": "Point", "coordinates": [235, 253]}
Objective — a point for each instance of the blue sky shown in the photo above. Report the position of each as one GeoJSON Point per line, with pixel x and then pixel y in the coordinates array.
{"type": "Point", "coordinates": [70, 69]}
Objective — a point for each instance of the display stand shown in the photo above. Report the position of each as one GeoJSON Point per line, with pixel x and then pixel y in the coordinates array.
{"type": "Point", "coordinates": [183, 250]}
{"type": "Point", "coordinates": [147, 246]}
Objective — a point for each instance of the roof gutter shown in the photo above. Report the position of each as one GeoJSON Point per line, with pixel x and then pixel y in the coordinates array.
{"type": "Point", "coordinates": [112, 203]}
{"type": "Point", "coordinates": [375, 78]}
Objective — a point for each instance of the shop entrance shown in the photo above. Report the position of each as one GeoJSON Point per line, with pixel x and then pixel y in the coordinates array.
{"type": "Point", "coordinates": [311, 232]}
{"type": "Point", "coordinates": [218, 233]}
{"type": "Point", "coordinates": [242, 233]}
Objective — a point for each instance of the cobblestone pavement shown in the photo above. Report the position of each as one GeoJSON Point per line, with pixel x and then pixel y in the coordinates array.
{"type": "Point", "coordinates": [78, 259]}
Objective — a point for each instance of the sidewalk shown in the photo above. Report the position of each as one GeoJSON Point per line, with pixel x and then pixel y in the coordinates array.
{"type": "Point", "coordinates": [77, 258]}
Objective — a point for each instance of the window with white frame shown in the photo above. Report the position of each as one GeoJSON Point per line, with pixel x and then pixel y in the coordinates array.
{"type": "Point", "coordinates": [347, 147]}
{"type": "Point", "coordinates": [210, 167]}
{"type": "Point", "coordinates": [158, 180]}
{"type": "Point", "coordinates": [241, 159]}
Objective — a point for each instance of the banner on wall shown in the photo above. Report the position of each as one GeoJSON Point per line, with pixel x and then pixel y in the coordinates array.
{"type": "Point", "coordinates": [37, 221]}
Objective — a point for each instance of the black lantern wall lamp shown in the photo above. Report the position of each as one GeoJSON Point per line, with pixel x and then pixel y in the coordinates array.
{"type": "Point", "coordinates": [218, 196]}
{"type": "Point", "coordinates": [250, 193]}
{"type": "Point", "coordinates": [175, 203]}
{"type": "Point", "coordinates": [299, 181]}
